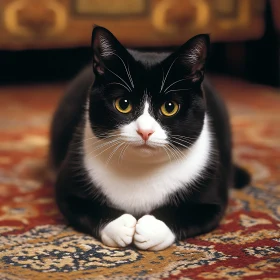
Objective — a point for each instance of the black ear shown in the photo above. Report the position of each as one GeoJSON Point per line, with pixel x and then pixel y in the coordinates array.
{"type": "Point", "coordinates": [107, 50]}
{"type": "Point", "coordinates": [190, 59]}
{"type": "Point", "coordinates": [194, 55]}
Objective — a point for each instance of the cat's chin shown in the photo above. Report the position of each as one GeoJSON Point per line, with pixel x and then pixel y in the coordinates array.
{"type": "Point", "coordinates": [145, 150]}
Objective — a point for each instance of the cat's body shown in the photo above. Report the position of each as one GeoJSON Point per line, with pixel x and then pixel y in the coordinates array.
{"type": "Point", "coordinates": [142, 175]}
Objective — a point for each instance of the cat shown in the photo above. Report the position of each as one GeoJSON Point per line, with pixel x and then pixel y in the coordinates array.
{"type": "Point", "coordinates": [141, 145]}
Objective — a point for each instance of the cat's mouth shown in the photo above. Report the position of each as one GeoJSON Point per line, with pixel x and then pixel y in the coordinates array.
{"type": "Point", "coordinates": [145, 150]}
{"type": "Point", "coordinates": [148, 146]}
{"type": "Point", "coordinates": [145, 146]}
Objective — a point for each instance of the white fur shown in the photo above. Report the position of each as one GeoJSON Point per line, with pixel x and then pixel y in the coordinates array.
{"type": "Point", "coordinates": [152, 234]}
{"type": "Point", "coordinates": [145, 122]}
{"type": "Point", "coordinates": [120, 232]}
{"type": "Point", "coordinates": [145, 177]}
{"type": "Point", "coordinates": [105, 47]}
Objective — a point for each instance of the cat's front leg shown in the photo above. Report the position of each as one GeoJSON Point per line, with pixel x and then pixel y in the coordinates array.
{"type": "Point", "coordinates": [152, 234]}
{"type": "Point", "coordinates": [186, 220]}
{"type": "Point", "coordinates": [111, 226]}
{"type": "Point", "coordinates": [90, 214]}
{"type": "Point", "coordinates": [119, 232]}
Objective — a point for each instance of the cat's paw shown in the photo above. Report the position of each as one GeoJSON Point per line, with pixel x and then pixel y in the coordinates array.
{"type": "Point", "coordinates": [152, 234]}
{"type": "Point", "coordinates": [119, 232]}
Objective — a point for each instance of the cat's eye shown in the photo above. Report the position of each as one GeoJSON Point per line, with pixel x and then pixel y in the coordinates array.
{"type": "Point", "coordinates": [123, 105]}
{"type": "Point", "coordinates": [169, 108]}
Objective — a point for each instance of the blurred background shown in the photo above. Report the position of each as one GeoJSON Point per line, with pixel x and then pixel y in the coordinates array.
{"type": "Point", "coordinates": [48, 40]}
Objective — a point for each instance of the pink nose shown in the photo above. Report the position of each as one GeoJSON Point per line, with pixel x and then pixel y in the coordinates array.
{"type": "Point", "coordinates": [145, 134]}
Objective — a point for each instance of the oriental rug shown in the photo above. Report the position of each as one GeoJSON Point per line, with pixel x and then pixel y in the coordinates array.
{"type": "Point", "coordinates": [35, 242]}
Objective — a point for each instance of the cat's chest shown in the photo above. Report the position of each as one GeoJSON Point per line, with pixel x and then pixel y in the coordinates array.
{"type": "Point", "coordinates": [140, 190]}
{"type": "Point", "coordinates": [139, 194]}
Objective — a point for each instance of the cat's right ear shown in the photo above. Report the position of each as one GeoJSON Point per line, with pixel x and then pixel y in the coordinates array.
{"type": "Point", "coordinates": [106, 48]}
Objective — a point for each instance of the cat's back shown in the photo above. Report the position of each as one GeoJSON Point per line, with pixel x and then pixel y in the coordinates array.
{"type": "Point", "coordinates": [68, 115]}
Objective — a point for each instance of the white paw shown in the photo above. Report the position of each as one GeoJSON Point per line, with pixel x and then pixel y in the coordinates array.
{"type": "Point", "coordinates": [152, 234]}
{"type": "Point", "coordinates": [119, 232]}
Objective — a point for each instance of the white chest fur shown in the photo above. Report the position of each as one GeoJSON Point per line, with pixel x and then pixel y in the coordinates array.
{"type": "Point", "coordinates": [139, 189]}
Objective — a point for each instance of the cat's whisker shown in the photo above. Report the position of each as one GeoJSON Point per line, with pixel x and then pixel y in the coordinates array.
{"type": "Point", "coordinates": [174, 84]}
{"type": "Point", "coordinates": [188, 142]}
{"type": "Point", "coordinates": [179, 152]}
{"type": "Point", "coordinates": [112, 154]}
{"type": "Point", "coordinates": [180, 144]}
{"type": "Point", "coordinates": [106, 142]}
{"type": "Point", "coordinates": [105, 136]}
{"type": "Point", "coordinates": [84, 140]}
{"type": "Point", "coordinates": [163, 82]}
{"type": "Point", "coordinates": [93, 143]}
{"type": "Point", "coordinates": [162, 79]}
{"type": "Point", "coordinates": [110, 134]}
{"type": "Point", "coordinates": [123, 152]}
{"type": "Point", "coordinates": [182, 136]}
{"type": "Point", "coordinates": [119, 78]}
{"type": "Point", "coordinates": [120, 85]}
{"type": "Point", "coordinates": [182, 140]}
{"type": "Point", "coordinates": [94, 137]}
{"type": "Point", "coordinates": [126, 69]}
{"type": "Point", "coordinates": [166, 151]}
{"type": "Point", "coordinates": [177, 155]}
{"type": "Point", "coordinates": [169, 148]}
{"type": "Point", "coordinates": [111, 146]}
{"type": "Point", "coordinates": [130, 76]}
{"type": "Point", "coordinates": [180, 89]}
{"type": "Point", "coordinates": [104, 145]}
{"type": "Point", "coordinates": [175, 148]}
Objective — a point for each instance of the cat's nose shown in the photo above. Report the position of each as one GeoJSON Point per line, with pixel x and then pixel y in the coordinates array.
{"type": "Point", "coordinates": [145, 133]}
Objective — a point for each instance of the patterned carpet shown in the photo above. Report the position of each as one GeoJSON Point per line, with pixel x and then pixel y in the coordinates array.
{"type": "Point", "coordinates": [36, 244]}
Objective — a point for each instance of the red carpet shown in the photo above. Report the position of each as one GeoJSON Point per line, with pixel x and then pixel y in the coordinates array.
{"type": "Point", "coordinates": [36, 244]}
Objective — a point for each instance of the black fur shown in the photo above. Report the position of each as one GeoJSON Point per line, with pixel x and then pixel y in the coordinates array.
{"type": "Point", "coordinates": [196, 213]}
{"type": "Point", "coordinates": [241, 177]}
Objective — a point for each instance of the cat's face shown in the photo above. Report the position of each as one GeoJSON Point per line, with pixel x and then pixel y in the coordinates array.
{"type": "Point", "coordinates": [149, 103]}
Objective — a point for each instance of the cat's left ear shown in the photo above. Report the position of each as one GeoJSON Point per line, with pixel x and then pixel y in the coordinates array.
{"type": "Point", "coordinates": [191, 57]}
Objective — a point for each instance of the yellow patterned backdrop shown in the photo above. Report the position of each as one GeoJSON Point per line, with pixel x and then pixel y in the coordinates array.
{"type": "Point", "coordinates": [68, 23]}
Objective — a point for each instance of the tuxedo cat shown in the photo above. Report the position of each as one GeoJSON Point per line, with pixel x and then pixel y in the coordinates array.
{"type": "Point", "coordinates": [142, 146]}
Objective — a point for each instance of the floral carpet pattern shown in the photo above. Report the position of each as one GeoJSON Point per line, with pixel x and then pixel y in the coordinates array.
{"type": "Point", "coordinates": [36, 244]}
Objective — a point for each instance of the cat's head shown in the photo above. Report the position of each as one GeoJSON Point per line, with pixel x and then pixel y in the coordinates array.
{"type": "Point", "coordinates": [153, 102]}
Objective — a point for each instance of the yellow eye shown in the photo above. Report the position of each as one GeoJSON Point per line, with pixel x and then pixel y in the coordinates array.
{"type": "Point", "coordinates": [169, 108]}
{"type": "Point", "coordinates": [123, 105]}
